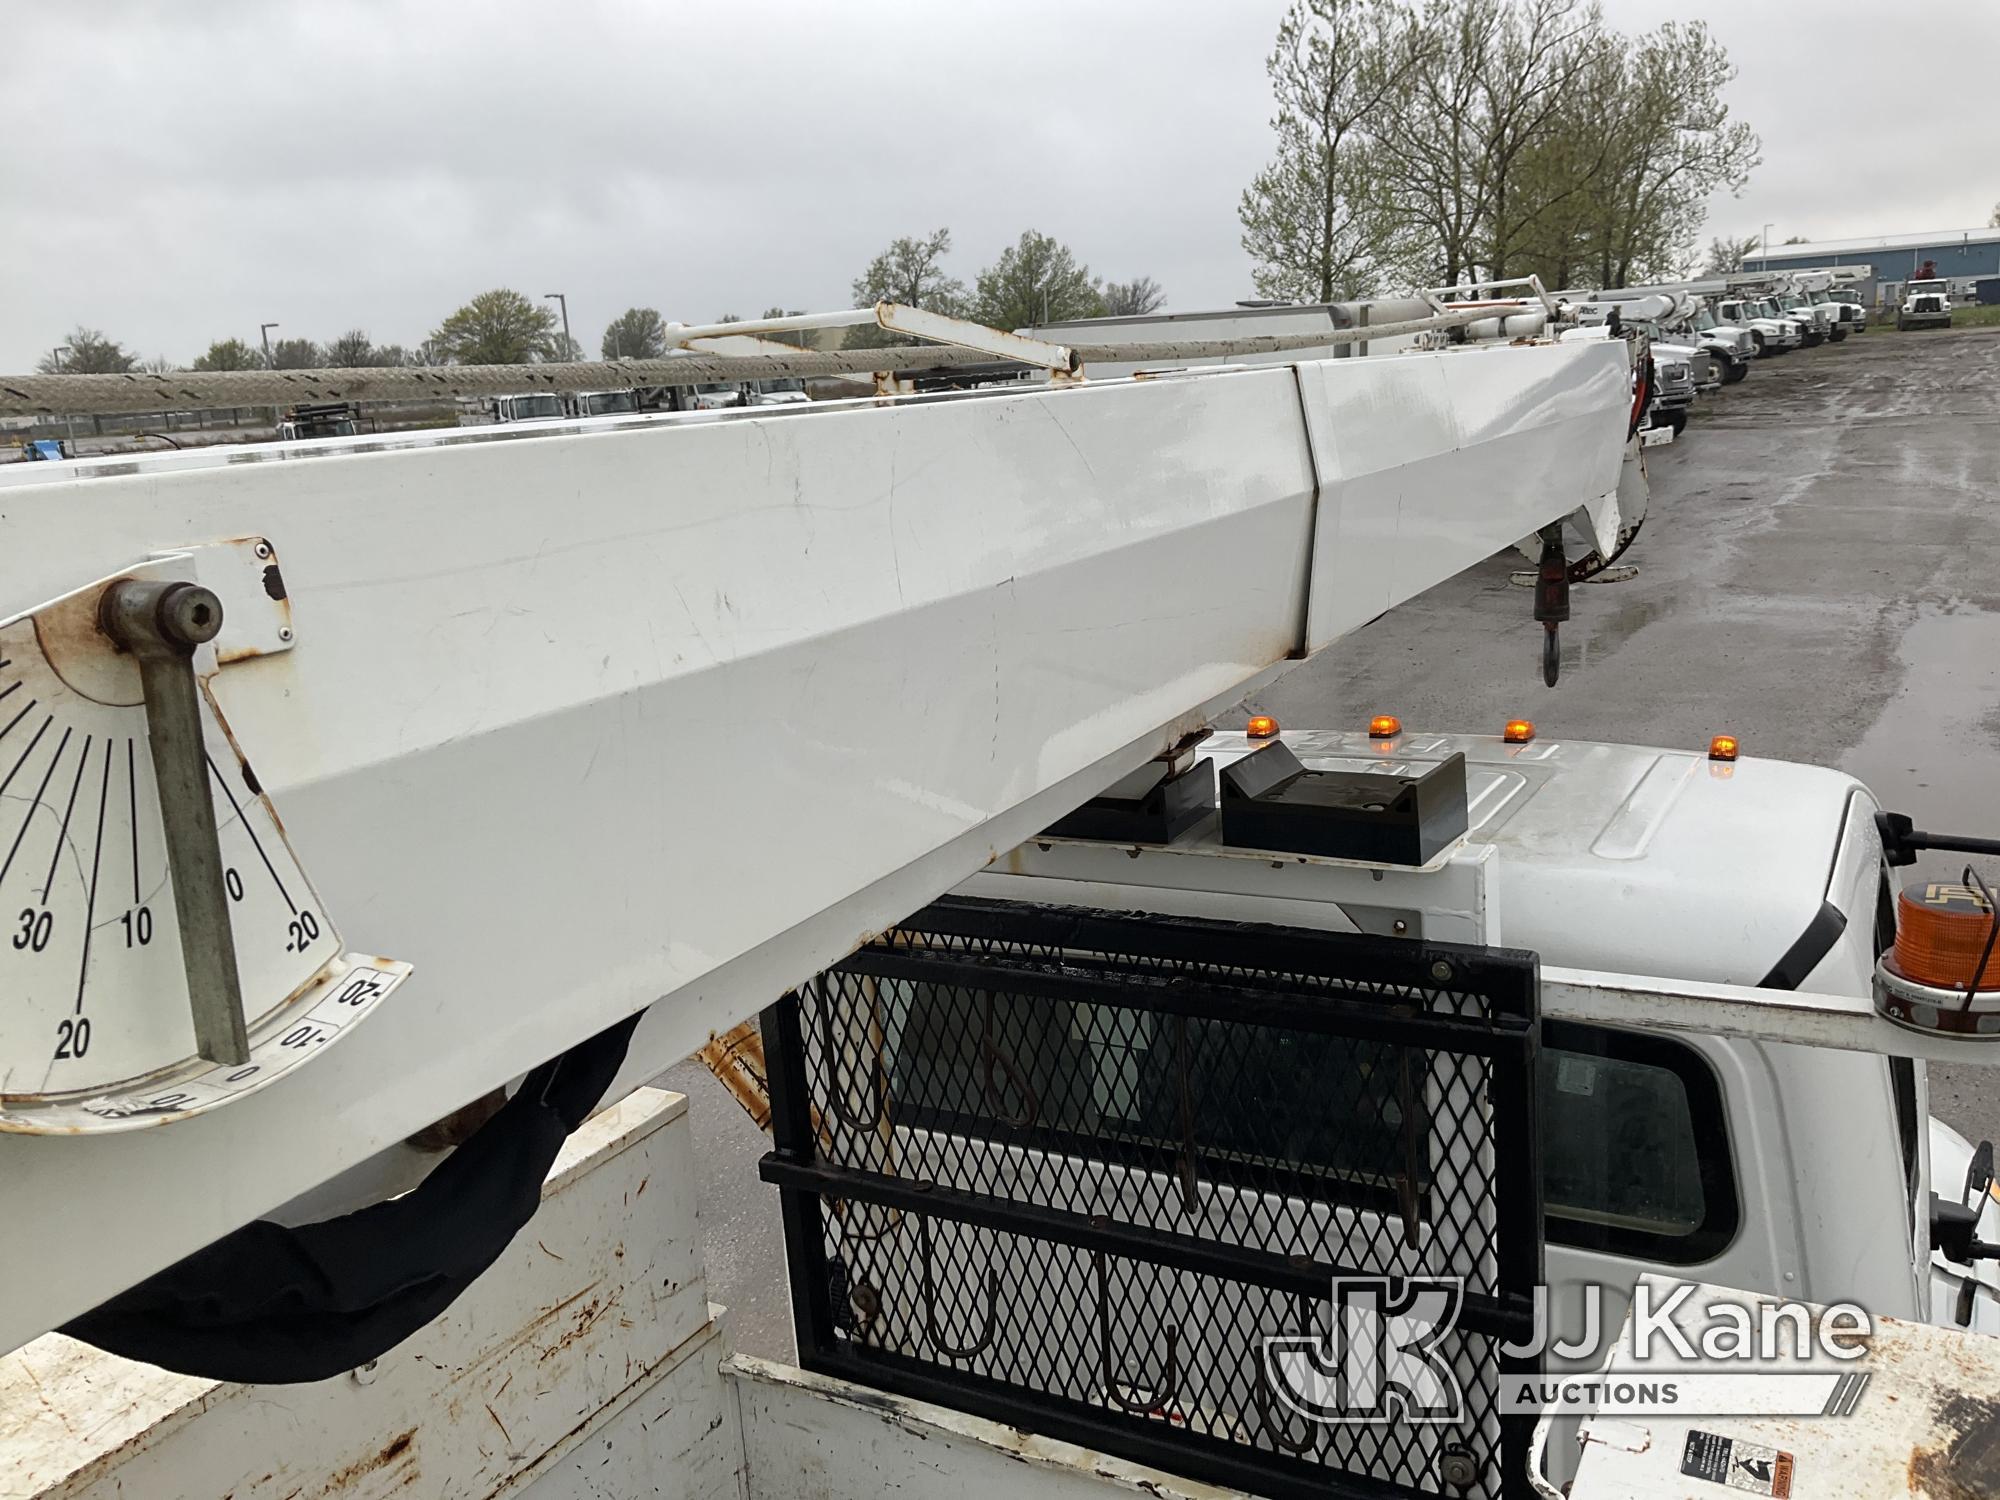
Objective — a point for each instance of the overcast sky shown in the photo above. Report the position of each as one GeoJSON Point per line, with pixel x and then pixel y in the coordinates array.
{"type": "Point", "coordinates": [181, 173]}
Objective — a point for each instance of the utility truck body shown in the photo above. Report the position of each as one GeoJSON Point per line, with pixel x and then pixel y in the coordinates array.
{"type": "Point", "coordinates": [1104, 1055]}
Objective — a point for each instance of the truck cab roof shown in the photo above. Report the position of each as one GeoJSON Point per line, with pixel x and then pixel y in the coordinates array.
{"type": "Point", "coordinates": [1632, 859]}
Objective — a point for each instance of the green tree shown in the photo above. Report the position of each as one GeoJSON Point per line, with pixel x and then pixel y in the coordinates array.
{"type": "Point", "coordinates": [1035, 280]}
{"type": "Point", "coordinates": [636, 333]}
{"type": "Point", "coordinates": [1315, 221]}
{"type": "Point", "coordinates": [89, 352]}
{"type": "Point", "coordinates": [1133, 299]}
{"type": "Point", "coordinates": [910, 272]}
{"type": "Point", "coordinates": [229, 354]}
{"type": "Point", "coordinates": [500, 327]}
{"type": "Point", "coordinates": [1994, 222]}
{"type": "Point", "coordinates": [297, 354]}
{"type": "Point", "coordinates": [1483, 139]}
{"type": "Point", "coordinates": [1618, 185]}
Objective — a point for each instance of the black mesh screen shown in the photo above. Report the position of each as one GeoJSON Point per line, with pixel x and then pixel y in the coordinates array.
{"type": "Point", "coordinates": [1071, 1169]}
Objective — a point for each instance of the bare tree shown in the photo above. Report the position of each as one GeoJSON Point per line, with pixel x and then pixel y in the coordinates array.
{"type": "Point", "coordinates": [1133, 299]}
{"type": "Point", "coordinates": [89, 352]}
{"type": "Point", "coordinates": [1726, 257]}
{"type": "Point", "coordinates": [351, 351]}
{"type": "Point", "coordinates": [1315, 220]}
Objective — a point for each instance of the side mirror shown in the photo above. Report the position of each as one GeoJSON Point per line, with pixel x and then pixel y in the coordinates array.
{"type": "Point", "coordinates": [1954, 1233]}
{"type": "Point", "coordinates": [1978, 1176]}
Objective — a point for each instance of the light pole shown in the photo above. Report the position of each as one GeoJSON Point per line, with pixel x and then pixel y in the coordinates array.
{"type": "Point", "coordinates": [568, 345]}
{"type": "Point", "coordinates": [69, 422]}
{"type": "Point", "coordinates": [1767, 247]}
{"type": "Point", "coordinates": [264, 333]}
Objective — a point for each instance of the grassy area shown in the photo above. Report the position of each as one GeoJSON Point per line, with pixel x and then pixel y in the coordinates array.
{"type": "Point", "coordinates": [1884, 319]}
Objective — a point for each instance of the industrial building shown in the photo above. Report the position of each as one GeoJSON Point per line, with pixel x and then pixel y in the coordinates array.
{"type": "Point", "coordinates": [1958, 254]}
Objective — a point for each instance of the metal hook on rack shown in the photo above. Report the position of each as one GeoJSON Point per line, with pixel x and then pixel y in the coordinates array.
{"type": "Point", "coordinates": [1113, 1387]}
{"type": "Point", "coordinates": [937, 1337]}
{"type": "Point", "coordinates": [1406, 1180]}
{"type": "Point", "coordinates": [836, 1091]}
{"type": "Point", "coordinates": [1187, 1169]}
{"type": "Point", "coordinates": [1272, 1429]}
{"type": "Point", "coordinates": [991, 1057]}
{"type": "Point", "coordinates": [1262, 1397]}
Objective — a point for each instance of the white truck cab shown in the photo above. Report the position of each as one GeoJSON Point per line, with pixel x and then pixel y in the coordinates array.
{"type": "Point", "coordinates": [1782, 1169]}
{"type": "Point", "coordinates": [1926, 304]}
{"type": "Point", "coordinates": [786, 391]}
{"type": "Point", "coordinates": [526, 406]}
{"type": "Point", "coordinates": [601, 403]}
{"type": "Point", "coordinates": [1773, 332]}
{"type": "Point", "coordinates": [1732, 348]}
{"type": "Point", "coordinates": [1818, 322]}
{"type": "Point", "coordinates": [1849, 309]}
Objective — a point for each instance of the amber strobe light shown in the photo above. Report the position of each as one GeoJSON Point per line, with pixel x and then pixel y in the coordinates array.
{"type": "Point", "coordinates": [1518, 732]}
{"type": "Point", "coordinates": [1942, 933]}
{"type": "Point", "coordinates": [1384, 727]}
{"type": "Point", "coordinates": [1722, 747]}
{"type": "Point", "coordinates": [1261, 727]}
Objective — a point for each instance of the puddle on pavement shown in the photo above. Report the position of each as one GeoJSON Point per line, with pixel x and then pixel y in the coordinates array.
{"type": "Point", "coordinates": [1934, 752]}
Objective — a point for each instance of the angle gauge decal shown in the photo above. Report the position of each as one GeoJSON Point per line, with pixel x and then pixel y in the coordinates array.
{"type": "Point", "coordinates": [161, 949]}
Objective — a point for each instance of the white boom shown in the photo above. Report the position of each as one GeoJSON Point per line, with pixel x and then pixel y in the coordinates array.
{"type": "Point", "coordinates": [583, 717]}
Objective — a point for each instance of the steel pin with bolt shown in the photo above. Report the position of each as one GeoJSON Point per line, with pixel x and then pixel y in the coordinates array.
{"type": "Point", "coordinates": [161, 624]}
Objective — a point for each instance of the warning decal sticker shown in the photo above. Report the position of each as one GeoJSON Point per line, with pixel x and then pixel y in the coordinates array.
{"type": "Point", "coordinates": [1746, 1467]}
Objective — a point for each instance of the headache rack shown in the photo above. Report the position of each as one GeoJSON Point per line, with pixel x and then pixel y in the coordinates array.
{"type": "Point", "coordinates": [1069, 1170]}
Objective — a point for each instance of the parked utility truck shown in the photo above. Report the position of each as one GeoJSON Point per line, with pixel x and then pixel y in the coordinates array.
{"type": "Point", "coordinates": [1774, 332]}
{"type": "Point", "coordinates": [1926, 304]}
{"type": "Point", "coordinates": [1115, 1065]}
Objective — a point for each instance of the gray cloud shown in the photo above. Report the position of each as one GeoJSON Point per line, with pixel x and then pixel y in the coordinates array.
{"type": "Point", "coordinates": [179, 174]}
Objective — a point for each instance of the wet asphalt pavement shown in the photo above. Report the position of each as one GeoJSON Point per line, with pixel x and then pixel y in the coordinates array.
{"type": "Point", "coordinates": [1819, 575]}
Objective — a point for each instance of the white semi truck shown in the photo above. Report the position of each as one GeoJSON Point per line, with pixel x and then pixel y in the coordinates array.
{"type": "Point", "coordinates": [1205, 1021]}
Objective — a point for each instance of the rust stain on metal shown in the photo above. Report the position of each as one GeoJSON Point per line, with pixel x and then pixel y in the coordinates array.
{"type": "Point", "coordinates": [736, 1058]}
{"type": "Point", "coordinates": [498, 1423]}
{"type": "Point", "coordinates": [72, 638]}
{"type": "Point", "coordinates": [1964, 1463]}
{"type": "Point", "coordinates": [586, 1319]}
{"type": "Point", "coordinates": [394, 1449]}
